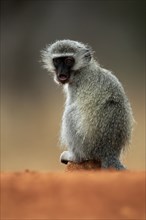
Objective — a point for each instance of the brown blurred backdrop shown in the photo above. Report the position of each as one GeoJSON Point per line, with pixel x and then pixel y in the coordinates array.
{"type": "Point", "coordinates": [31, 104]}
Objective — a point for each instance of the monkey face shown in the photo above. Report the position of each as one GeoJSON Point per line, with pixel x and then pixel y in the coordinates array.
{"type": "Point", "coordinates": [63, 67]}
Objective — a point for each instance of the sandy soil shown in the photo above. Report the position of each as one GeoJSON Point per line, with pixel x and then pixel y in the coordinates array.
{"type": "Point", "coordinates": [73, 195]}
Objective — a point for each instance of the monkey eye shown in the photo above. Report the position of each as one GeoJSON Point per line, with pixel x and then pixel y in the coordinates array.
{"type": "Point", "coordinates": [56, 61]}
{"type": "Point", "coordinates": [69, 61]}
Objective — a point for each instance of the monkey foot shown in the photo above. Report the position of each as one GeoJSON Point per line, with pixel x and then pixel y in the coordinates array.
{"type": "Point", "coordinates": [64, 161]}
{"type": "Point", "coordinates": [66, 157]}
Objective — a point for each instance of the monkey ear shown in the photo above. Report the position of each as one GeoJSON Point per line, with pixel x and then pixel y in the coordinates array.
{"type": "Point", "coordinates": [88, 54]}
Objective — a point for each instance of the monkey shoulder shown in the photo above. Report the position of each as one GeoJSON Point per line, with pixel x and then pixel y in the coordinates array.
{"type": "Point", "coordinates": [109, 85]}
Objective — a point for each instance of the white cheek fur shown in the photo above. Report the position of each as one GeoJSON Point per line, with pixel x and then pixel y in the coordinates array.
{"type": "Point", "coordinates": [56, 81]}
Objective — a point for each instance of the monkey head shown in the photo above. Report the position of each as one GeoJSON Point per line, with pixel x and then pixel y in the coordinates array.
{"type": "Point", "coordinates": [65, 58]}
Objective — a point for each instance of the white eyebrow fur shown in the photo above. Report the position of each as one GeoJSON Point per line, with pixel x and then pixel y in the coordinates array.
{"type": "Point", "coordinates": [62, 55]}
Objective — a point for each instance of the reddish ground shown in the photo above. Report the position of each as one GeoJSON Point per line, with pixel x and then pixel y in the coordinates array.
{"type": "Point", "coordinates": [73, 195]}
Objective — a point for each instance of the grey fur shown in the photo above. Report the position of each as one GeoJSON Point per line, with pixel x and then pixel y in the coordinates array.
{"type": "Point", "coordinates": [97, 121]}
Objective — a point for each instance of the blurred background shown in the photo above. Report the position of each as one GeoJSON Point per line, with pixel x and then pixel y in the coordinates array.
{"type": "Point", "coordinates": [32, 104]}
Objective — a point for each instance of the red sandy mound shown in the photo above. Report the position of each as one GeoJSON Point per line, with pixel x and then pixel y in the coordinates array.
{"type": "Point", "coordinates": [73, 195]}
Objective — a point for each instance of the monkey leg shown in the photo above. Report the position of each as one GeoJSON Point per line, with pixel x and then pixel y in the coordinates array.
{"type": "Point", "coordinates": [66, 157]}
{"type": "Point", "coordinates": [112, 163]}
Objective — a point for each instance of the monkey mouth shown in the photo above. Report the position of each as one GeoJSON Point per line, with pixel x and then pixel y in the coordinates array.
{"type": "Point", "coordinates": [63, 78]}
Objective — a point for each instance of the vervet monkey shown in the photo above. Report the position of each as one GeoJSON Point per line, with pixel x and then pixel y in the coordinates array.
{"type": "Point", "coordinates": [97, 121]}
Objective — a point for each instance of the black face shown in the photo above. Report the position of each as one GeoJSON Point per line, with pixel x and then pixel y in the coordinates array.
{"type": "Point", "coordinates": [63, 67]}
